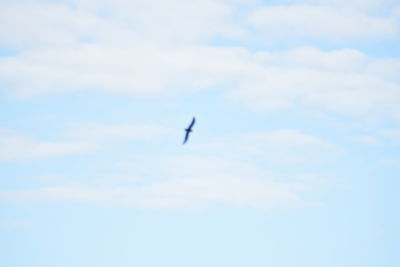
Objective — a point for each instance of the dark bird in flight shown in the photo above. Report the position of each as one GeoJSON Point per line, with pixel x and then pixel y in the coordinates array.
{"type": "Point", "coordinates": [189, 130]}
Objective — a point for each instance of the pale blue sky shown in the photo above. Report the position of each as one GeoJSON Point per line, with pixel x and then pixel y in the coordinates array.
{"type": "Point", "coordinates": [294, 160]}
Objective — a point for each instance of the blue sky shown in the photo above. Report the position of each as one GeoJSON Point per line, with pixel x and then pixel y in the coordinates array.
{"type": "Point", "coordinates": [294, 160]}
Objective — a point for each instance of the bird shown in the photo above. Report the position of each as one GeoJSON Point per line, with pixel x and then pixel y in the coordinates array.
{"type": "Point", "coordinates": [188, 130]}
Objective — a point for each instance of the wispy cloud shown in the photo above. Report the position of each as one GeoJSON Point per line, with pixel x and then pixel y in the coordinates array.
{"type": "Point", "coordinates": [344, 81]}
{"type": "Point", "coordinates": [321, 22]}
{"type": "Point", "coordinates": [70, 22]}
{"type": "Point", "coordinates": [103, 132]}
{"type": "Point", "coordinates": [17, 147]}
{"type": "Point", "coordinates": [392, 135]}
{"type": "Point", "coordinates": [189, 192]}
{"type": "Point", "coordinates": [139, 69]}
{"type": "Point", "coordinates": [206, 175]}
{"type": "Point", "coordinates": [283, 147]}
{"type": "Point", "coordinates": [356, 5]}
{"type": "Point", "coordinates": [366, 139]}
{"type": "Point", "coordinates": [18, 224]}
{"type": "Point", "coordinates": [59, 25]}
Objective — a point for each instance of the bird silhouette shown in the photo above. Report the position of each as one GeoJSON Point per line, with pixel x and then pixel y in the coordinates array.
{"type": "Point", "coordinates": [188, 130]}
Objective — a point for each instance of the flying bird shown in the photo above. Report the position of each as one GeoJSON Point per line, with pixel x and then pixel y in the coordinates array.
{"type": "Point", "coordinates": [189, 130]}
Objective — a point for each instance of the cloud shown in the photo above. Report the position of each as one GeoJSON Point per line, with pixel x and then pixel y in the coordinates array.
{"type": "Point", "coordinates": [281, 147]}
{"type": "Point", "coordinates": [391, 162]}
{"type": "Point", "coordinates": [392, 133]}
{"type": "Point", "coordinates": [16, 147]}
{"type": "Point", "coordinates": [97, 131]}
{"type": "Point", "coordinates": [181, 193]}
{"type": "Point", "coordinates": [230, 184]}
{"type": "Point", "coordinates": [18, 224]}
{"type": "Point", "coordinates": [392, 136]}
{"type": "Point", "coordinates": [32, 24]}
{"type": "Point", "coordinates": [320, 22]}
{"type": "Point", "coordinates": [364, 5]}
{"type": "Point", "coordinates": [121, 48]}
{"type": "Point", "coordinates": [140, 69]}
{"type": "Point", "coordinates": [36, 24]}
{"type": "Point", "coordinates": [366, 139]}
{"type": "Point", "coordinates": [208, 175]}
{"type": "Point", "coordinates": [341, 81]}
{"type": "Point", "coordinates": [28, 24]}
{"type": "Point", "coordinates": [173, 21]}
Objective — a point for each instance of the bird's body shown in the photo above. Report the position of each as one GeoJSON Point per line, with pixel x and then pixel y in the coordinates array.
{"type": "Point", "coordinates": [188, 130]}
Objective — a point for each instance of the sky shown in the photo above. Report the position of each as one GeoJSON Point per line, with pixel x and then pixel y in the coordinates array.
{"type": "Point", "coordinates": [293, 161]}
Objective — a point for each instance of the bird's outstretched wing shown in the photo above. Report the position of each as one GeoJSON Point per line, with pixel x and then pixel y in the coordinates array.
{"type": "Point", "coordinates": [192, 123]}
{"type": "Point", "coordinates": [186, 137]}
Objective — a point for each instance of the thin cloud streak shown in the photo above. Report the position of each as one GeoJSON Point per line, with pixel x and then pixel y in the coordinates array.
{"type": "Point", "coordinates": [321, 23]}
{"type": "Point", "coordinates": [108, 132]}
{"type": "Point", "coordinates": [14, 147]}
{"type": "Point", "coordinates": [174, 194]}
{"type": "Point", "coordinates": [280, 147]}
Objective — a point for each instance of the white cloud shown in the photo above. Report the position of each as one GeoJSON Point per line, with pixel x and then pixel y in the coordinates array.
{"type": "Point", "coordinates": [282, 147]}
{"type": "Point", "coordinates": [368, 139]}
{"type": "Point", "coordinates": [388, 138]}
{"type": "Point", "coordinates": [204, 176]}
{"type": "Point", "coordinates": [180, 193]}
{"type": "Point", "coordinates": [97, 131]}
{"type": "Point", "coordinates": [113, 47]}
{"type": "Point", "coordinates": [44, 24]}
{"type": "Point", "coordinates": [40, 23]}
{"type": "Point", "coordinates": [344, 81]}
{"type": "Point", "coordinates": [17, 147]}
{"type": "Point", "coordinates": [29, 24]}
{"type": "Point", "coordinates": [175, 20]}
{"type": "Point", "coordinates": [364, 5]}
{"type": "Point", "coordinates": [320, 22]}
{"type": "Point", "coordinates": [138, 69]}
